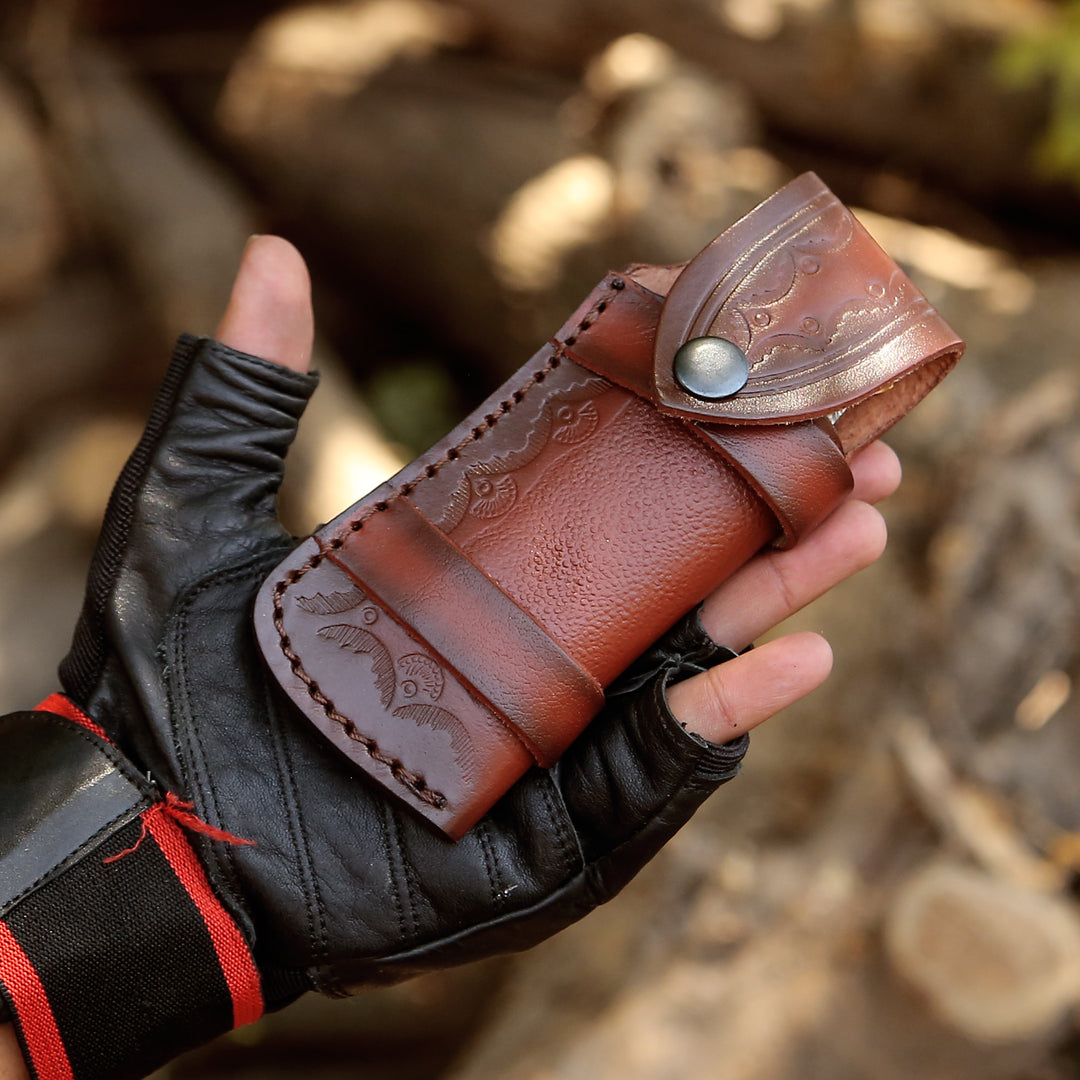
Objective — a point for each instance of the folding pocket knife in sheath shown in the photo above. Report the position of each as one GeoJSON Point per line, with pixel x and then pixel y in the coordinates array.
{"type": "Point", "coordinates": [459, 624]}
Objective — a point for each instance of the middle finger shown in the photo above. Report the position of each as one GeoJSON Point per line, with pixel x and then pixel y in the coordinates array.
{"type": "Point", "coordinates": [776, 584]}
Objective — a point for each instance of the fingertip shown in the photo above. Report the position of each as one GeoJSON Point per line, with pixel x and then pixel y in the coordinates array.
{"type": "Point", "coordinates": [868, 532]}
{"type": "Point", "coordinates": [800, 663]}
{"type": "Point", "coordinates": [812, 657]}
{"type": "Point", "coordinates": [269, 312]}
{"type": "Point", "coordinates": [877, 472]}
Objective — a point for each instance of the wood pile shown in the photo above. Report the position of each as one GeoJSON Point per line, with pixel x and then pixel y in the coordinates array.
{"type": "Point", "coordinates": [889, 890]}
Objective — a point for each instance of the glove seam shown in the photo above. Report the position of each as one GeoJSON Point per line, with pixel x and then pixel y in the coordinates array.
{"type": "Point", "coordinates": [496, 884]}
{"type": "Point", "coordinates": [594, 869]}
{"type": "Point", "coordinates": [401, 867]}
{"type": "Point", "coordinates": [413, 885]}
{"type": "Point", "coordinates": [687, 782]}
{"type": "Point", "coordinates": [75, 856]}
{"type": "Point", "coordinates": [688, 785]}
{"type": "Point", "coordinates": [313, 903]}
{"type": "Point", "coordinates": [573, 855]}
{"type": "Point", "coordinates": [304, 380]}
{"type": "Point", "coordinates": [585, 875]}
{"type": "Point", "coordinates": [221, 863]}
{"type": "Point", "coordinates": [191, 755]}
{"type": "Point", "coordinates": [395, 893]}
{"type": "Point", "coordinates": [707, 751]}
{"type": "Point", "coordinates": [219, 860]}
{"type": "Point", "coordinates": [82, 667]}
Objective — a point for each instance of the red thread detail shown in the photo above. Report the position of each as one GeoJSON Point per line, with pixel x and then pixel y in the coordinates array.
{"type": "Point", "coordinates": [64, 706]}
{"type": "Point", "coordinates": [233, 954]}
{"type": "Point", "coordinates": [134, 847]}
{"type": "Point", "coordinates": [181, 813]}
{"type": "Point", "coordinates": [37, 1024]}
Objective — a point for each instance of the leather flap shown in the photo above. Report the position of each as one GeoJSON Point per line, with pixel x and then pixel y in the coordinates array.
{"type": "Point", "coordinates": [826, 319]}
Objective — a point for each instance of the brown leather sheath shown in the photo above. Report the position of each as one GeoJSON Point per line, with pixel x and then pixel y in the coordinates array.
{"type": "Point", "coordinates": [459, 624]}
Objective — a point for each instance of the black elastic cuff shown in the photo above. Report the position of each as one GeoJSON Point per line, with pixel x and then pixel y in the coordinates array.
{"type": "Point", "coordinates": [81, 668]}
{"type": "Point", "coordinates": [118, 956]}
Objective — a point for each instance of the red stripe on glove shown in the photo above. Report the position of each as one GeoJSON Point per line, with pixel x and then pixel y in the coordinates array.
{"type": "Point", "coordinates": [233, 954]}
{"type": "Point", "coordinates": [37, 1023]}
{"type": "Point", "coordinates": [64, 706]}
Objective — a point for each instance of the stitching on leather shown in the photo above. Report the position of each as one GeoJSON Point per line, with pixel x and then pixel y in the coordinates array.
{"type": "Point", "coordinates": [103, 747]}
{"type": "Point", "coordinates": [192, 756]}
{"type": "Point", "coordinates": [414, 782]}
{"type": "Point", "coordinates": [571, 865]}
{"type": "Point", "coordinates": [73, 857]}
{"type": "Point", "coordinates": [689, 780]}
{"type": "Point", "coordinates": [313, 903]}
{"type": "Point", "coordinates": [192, 759]}
{"type": "Point", "coordinates": [131, 813]}
{"type": "Point", "coordinates": [496, 889]}
{"type": "Point", "coordinates": [413, 885]}
{"type": "Point", "coordinates": [392, 869]}
{"type": "Point", "coordinates": [403, 865]}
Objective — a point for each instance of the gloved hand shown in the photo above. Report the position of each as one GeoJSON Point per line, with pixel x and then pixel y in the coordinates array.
{"type": "Point", "coordinates": [178, 852]}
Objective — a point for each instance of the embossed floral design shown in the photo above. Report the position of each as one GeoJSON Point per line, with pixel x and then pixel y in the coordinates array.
{"type": "Point", "coordinates": [442, 720]}
{"type": "Point", "coordinates": [366, 643]}
{"type": "Point", "coordinates": [488, 489]}
{"type": "Point", "coordinates": [491, 496]}
{"type": "Point", "coordinates": [420, 674]}
{"type": "Point", "coordinates": [575, 422]}
{"type": "Point", "coordinates": [404, 682]}
{"type": "Point", "coordinates": [332, 603]}
{"type": "Point", "coordinates": [794, 311]}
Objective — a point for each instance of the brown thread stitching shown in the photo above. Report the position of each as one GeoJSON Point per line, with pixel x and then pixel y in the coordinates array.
{"type": "Point", "coordinates": [412, 781]}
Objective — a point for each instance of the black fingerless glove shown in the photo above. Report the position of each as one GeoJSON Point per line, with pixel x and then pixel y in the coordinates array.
{"type": "Point", "coordinates": [180, 853]}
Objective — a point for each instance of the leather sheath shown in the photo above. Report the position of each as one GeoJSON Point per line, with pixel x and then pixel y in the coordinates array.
{"type": "Point", "coordinates": [459, 624]}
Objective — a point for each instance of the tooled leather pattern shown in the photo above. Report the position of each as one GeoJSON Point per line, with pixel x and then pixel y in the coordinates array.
{"type": "Point", "coordinates": [562, 428]}
{"type": "Point", "coordinates": [489, 489]}
{"type": "Point", "coordinates": [825, 317]}
{"type": "Point", "coordinates": [416, 679]}
{"type": "Point", "coordinates": [792, 315]}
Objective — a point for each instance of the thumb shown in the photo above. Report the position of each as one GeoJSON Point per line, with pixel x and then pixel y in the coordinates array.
{"type": "Point", "coordinates": [269, 312]}
{"type": "Point", "coordinates": [200, 490]}
{"type": "Point", "coordinates": [215, 445]}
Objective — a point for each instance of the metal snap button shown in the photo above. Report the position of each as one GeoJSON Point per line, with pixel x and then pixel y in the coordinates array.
{"type": "Point", "coordinates": [711, 368]}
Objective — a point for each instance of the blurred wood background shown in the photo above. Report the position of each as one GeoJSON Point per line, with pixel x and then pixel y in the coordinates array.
{"type": "Point", "coordinates": [890, 889]}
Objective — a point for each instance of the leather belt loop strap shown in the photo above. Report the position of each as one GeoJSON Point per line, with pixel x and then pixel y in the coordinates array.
{"type": "Point", "coordinates": [798, 470]}
{"type": "Point", "coordinates": [430, 586]}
